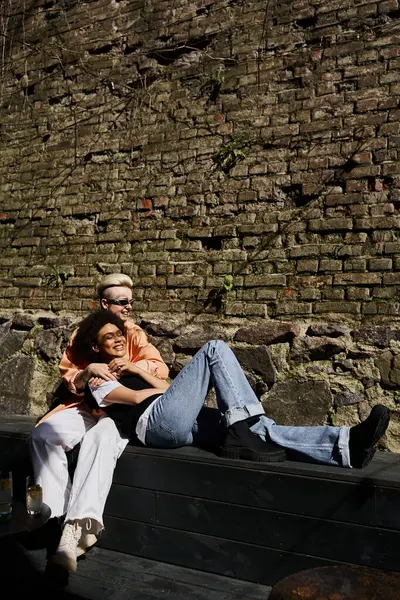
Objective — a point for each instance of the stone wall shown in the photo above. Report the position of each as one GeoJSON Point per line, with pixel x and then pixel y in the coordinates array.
{"type": "Point", "coordinates": [304, 373]}
{"type": "Point", "coordinates": [233, 156]}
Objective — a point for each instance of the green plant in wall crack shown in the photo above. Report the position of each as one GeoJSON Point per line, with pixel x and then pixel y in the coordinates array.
{"type": "Point", "coordinates": [227, 286]}
{"type": "Point", "coordinates": [56, 277]}
{"type": "Point", "coordinates": [213, 85]}
{"type": "Point", "coordinates": [229, 154]}
{"type": "Point", "coordinates": [217, 297]}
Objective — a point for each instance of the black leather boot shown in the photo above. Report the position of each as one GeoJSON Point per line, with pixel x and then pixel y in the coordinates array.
{"type": "Point", "coordinates": [241, 443]}
{"type": "Point", "coordinates": [365, 436]}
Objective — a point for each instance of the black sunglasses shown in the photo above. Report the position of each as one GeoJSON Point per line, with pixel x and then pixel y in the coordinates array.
{"type": "Point", "coordinates": [120, 302]}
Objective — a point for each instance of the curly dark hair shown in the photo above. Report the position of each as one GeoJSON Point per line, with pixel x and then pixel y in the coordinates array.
{"type": "Point", "coordinates": [86, 335]}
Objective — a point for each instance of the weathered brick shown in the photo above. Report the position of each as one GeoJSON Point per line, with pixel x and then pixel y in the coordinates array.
{"type": "Point", "coordinates": [355, 293]}
{"type": "Point", "coordinates": [245, 309]}
{"type": "Point", "coordinates": [337, 307]}
{"type": "Point", "coordinates": [26, 241]}
{"type": "Point", "coordinates": [391, 278]}
{"type": "Point", "coordinates": [333, 294]}
{"type": "Point", "coordinates": [343, 199]}
{"type": "Point", "coordinates": [378, 223]}
{"type": "Point", "coordinates": [265, 280]}
{"type": "Point", "coordinates": [305, 250]}
{"type": "Point", "coordinates": [307, 266]}
{"type": "Point", "coordinates": [380, 264]}
{"type": "Point", "coordinates": [338, 224]}
{"type": "Point", "coordinates": [357, 279]}
{"type": "Point", "coordinates": [327, 265]}
{"type": "Point", "coordinates": [355, 264]}
{"type": "Point", "coordinates": [293, 308]}
{"type": "Point", "coordinates": [184, 281]}
{"type": "Point", "coordinates": [392, 247]}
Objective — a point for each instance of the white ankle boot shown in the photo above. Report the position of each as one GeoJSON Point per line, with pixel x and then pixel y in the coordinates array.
{"type": "Point", "coordinates": [66, 553]}
{"type": "Point", "coordinates": [87, 541]}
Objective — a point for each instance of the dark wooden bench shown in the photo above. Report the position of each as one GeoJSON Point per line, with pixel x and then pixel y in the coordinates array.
{"type": "Point", "coordinates": [253, 522]}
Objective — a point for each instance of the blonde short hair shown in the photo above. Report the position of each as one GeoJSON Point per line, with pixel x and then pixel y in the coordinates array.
{"type": "Point", "coordinates": [113, 280]}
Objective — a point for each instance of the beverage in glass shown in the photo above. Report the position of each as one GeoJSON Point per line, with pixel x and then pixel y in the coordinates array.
{"type": "Point", "coordinates": [34, 496]}
{"type": "Point", "coordinates": [6, 494]}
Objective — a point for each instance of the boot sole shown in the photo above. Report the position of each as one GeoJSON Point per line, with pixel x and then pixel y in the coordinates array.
{"type": "Point", "coordinates": [380, 430]}
{"type": "Point", "coordinates": [381, 427]}
{"type": "Point", "coordinates": [80, 550]}
{"type": "Point", "coordinates": [253, 455]}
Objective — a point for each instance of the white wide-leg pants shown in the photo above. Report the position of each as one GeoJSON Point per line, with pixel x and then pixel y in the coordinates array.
{"type": "Point", "coordinates": [101, 446]}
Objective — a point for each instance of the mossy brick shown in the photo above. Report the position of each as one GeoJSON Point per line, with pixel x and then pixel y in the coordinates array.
{"type": "Point", "coordinates": [271, 280]}
{"type": "Point", "coordinates": [9, 292]}
{"type": "Point", "coordinates": [385, 292]}
{"type": "Point", "coordinates": [266, 294]}
{"type": "Point", "coordinates": [333, 294]}
{"type": "Point", "coordinates": [172, 244]}
{"type": "Point", "coordinates": [355, 293]}
{"type": "Point", "coordinates": [79, 282]}
{"type": "Point", "coordinates": [198, 233]}
{"type": "Point", "coordinates": [246, 309]}
{"type": "Point", "coordinates": [382, 210]}
{"type": "Point", "coordinates": [329, 265]}
{"type": "Point", "coordinates": [250, 242]}
{"type": "Point", "coordinates": [146, 269]}
{"type": "Point", "coordinates": [184, 281]}
{"type": "Point", "coordinates": [27, 282]}
{"type": "Point", "coordinates": [225, 231]}
{"type": "Point", "coordinates": [388, 308]}
{"type": "Point", "coordinates": [337, 224]}
{"type": "Point", "coordinates": [293, 308]}
{"type": "Point", "coordinates": [391, 279]}
{"type": "Point", "coordinates": [305, 250]}
{"type": "Point", "coordinates": [26, 241]}
{"type": "Point", "coordinates": [152, 282]}
{"type": "Point", "coordinates": [258, 229]}
{"type": "Point", "coordinates": [309, 294]}
{"type": "Point", "coordinates": [380, 264]}
{"type": "Point", "coordinates": [355, 264]}
{"type": "Point", "coordinates": [392, 248]}
{"type": "Point", "coordinates": [358, 279]}
{"type": "Point", "coordinates": [337, 307]}
{"type": "Point", "coordinates": [151, 257]}
{"type": "Point", "coordinates": [391, 222]}
{"type": "Point", "coordinates": [307, 266]}
{"type": "Point", "coordinates": [168, 234]}
{"type": "Point", "coordinates": [142, 235]}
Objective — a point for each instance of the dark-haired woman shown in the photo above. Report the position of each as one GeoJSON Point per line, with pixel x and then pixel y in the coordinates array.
{"type": "Point", "coordinates": [153, 413]}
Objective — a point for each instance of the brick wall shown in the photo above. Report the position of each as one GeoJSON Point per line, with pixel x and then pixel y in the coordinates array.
{"type": "Point", "coordinates": [182, 141]}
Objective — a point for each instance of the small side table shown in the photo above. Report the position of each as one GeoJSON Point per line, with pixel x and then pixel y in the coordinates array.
{"type": "Point", "coordinates": [341, 582]}
{"type": "Point", "coordinates": [19, 573]}
{"type": "Point", "coordinates": [21, 522]}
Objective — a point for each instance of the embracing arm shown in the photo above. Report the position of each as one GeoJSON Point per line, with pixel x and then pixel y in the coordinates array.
{"type": "Point", "coordinates": [123, 395]}
{"type": "Point", "coordinates": [123, 366]}
{"type": "Point", "coordinates": [116, 392]}
{"type": "Point", "coordinates": [76, 376]}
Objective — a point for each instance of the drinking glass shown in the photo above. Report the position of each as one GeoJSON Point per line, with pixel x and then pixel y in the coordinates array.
{"type": "Point", "coordinates": [34, 496]}
{"type": "Point", "coordinates": [6, 495]}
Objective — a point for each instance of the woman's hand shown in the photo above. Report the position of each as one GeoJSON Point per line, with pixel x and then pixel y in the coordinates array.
{"type": "Point", "coordinates": [95, 382]}
{"type": "Point", "coordinates": [101, 370]}
{"type": "Point", "coordinates": [97, 370]}
{"type": "Point", "coordinates": [121, 365]}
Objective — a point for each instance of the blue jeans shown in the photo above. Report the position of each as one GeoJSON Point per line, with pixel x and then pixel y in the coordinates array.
{"type": "Point", "coordinates": [176, 418]}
